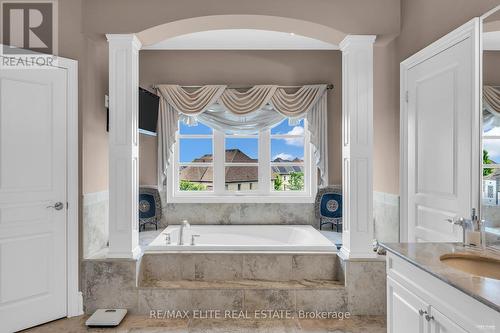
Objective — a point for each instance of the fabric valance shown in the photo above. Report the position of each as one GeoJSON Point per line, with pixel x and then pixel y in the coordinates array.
{"type": "Point", "coordinates": [491, 107]}
{"type": "Point", "coordinates": [242, 111]}
{"type": "Point", "coordinates": [192, 103]}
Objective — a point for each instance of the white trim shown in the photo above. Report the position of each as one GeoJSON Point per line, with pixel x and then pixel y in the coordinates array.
{"type": "Point", "coordinates": [74, 296]}
{"type": "Point", "coordinates": [463, 32]}
{"type": "Point", "coordinates": [482, 137]}
{"type": "Point", "coordinates": [74, 299]}
{"type": "Point", "coordinates": [489, 13]}
{"type": "Point", "coordinates": [264, 193]}
{"type": "Point", "coordinates": [145, 132]}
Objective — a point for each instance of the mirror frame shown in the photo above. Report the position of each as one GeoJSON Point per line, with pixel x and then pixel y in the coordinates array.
{"type": "Point", "coordinates": [482, 18]}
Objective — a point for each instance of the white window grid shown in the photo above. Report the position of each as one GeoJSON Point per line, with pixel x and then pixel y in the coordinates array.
{"type": "Point", "coordinates": [264, 192]}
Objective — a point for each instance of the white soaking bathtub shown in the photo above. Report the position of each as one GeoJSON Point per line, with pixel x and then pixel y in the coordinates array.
{"type": "Point", "coordinates": [273, 238]}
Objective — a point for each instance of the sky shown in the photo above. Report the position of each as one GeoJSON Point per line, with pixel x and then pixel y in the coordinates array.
{"type": "Point", "coordinates": [492, 146]}
{"type": "Point", "coordinates": [288, 148]}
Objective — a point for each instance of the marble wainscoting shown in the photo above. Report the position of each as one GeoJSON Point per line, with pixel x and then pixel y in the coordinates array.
{"type": "Point", "coordinates": [221, 281]}
{"type": "Point", "coordinates": [365, 283]}
{"type": "Point", "coordinates": [95, 222]}
{"type": "Point", "coordinates": [492, 215]}
{"type": "Point", "coordinates": [386, 216]}
{"type": "Point", "coordinates": [238, 266]}
{"type": "Point", "coordinates": [109, 283]}
{"type": "Point", "coordinates": [246, 213]}
{"type": "Point", "coordinates": [213, 281]}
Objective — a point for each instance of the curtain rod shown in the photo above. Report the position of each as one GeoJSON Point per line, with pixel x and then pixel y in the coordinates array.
{"type": "Point", "coordinates": [329, 86]}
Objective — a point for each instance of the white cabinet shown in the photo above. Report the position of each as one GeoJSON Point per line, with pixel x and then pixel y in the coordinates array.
{"type": "Point", "coordinates": [405, 310]}
{"type": "Point", "coordinates": [418, 302]}
{"type": "Point", "coordinates": [442, 324]}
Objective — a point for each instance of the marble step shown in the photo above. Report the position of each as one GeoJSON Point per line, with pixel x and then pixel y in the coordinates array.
{"type": "Point", "coordinates": [239, 266]}
{"type": "Point", "coordinates": [241, 295]}
{"type": "Point", "coordinates": [241, 284]}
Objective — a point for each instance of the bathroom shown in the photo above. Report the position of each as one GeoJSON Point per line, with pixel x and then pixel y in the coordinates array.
{"type": "Point", "coordinates": [230, 166]}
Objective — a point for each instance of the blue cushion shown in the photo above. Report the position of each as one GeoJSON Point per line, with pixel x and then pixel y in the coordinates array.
{"type": "Point", "coordinates": [331, 205]}
{"type": "Point", "coordinates": [147, 206]}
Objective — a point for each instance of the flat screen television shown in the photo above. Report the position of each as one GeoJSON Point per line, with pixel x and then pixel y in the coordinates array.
{"type": "Point", "coordinates": [148, 111]}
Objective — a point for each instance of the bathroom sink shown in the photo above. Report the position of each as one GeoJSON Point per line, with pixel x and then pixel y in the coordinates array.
{"type": "Point", "coordinates": [473, 264]}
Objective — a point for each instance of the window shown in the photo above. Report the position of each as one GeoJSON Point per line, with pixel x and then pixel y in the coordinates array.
{"type": "Point", "coordinates": [195, 159]}
{"type": "Point", "coordinates": [273, 165]}
{"type": "Point", "coordinates": [491, 165]}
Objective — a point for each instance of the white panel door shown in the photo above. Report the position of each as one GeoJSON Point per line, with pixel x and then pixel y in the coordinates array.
{"type": "Point", "coordinates": [32, 178]}
{"type": "Point", "coordinates": [405, 310]}
{"type": "Point", "coordinates": [440, 145]}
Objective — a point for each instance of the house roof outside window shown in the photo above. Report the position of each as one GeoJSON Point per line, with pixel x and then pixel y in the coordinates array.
{"type": "Point", "coordinates": [234, 174]}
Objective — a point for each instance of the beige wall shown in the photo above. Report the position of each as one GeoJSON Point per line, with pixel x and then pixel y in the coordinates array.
{"type": "Point", "coordinates": [83, 24]}
{"type": "Point", "coordinates": [491, 68]}
{"type": "Point", "coordinates": [245, 68]}
{"type": "Point", "coordinates": [425, 21]}
{"type": "Point", "coordinates": [147, 160]}
{"type": "Point", "coordinates": [379, 17]}
{"type": "Point", "coordinates": [386, 119]}
{"type": "Point", "coordinates": [422, 22]}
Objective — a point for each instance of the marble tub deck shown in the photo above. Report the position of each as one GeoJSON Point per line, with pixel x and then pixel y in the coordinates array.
{"type": "Point", "coordinates": [142, 324]}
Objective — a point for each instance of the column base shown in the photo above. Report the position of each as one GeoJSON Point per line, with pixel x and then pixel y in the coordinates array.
{"type": "Point", "coordinates": [345, 254]}
{"type": "Point", "coordinates": [134, 254]}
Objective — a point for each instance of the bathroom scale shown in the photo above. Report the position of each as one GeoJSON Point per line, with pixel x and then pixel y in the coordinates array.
{"type": "Point", "coordinates": [106, 318]}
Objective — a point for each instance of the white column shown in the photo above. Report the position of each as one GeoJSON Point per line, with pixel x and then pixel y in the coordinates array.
{"type": "Point", "coordinates": [123, 145]}
{"type": "Point", "coordinates": [357, 146]}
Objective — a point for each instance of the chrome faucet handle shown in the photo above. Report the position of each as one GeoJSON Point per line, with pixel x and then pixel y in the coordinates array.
{"type": "Point", "coordinates": [167, 237]}
{"type": "Point", "coordinates": [458, 221]}
{"type": "Point", "coordinates": [192, 239]}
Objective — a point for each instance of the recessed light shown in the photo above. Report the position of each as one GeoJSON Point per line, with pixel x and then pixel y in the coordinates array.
{"type": "Point", "coordinates": [292, 33]}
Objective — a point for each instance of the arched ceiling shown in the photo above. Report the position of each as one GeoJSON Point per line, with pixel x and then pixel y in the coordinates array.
{"type": "Point", "coordinates": [191, 26]}
{"type": "Point", "coordinates": [241, 39]}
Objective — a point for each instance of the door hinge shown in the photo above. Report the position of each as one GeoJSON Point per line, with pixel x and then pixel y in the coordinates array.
{"type": "Point", "coordinates": [67, 205]}
{"type": "Point", "coordinates": [406, 96]}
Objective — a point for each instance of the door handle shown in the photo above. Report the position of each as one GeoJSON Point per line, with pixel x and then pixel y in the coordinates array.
{"type": "Point", "coordinates": [57, 206]}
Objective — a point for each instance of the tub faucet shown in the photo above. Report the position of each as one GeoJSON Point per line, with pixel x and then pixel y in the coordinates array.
{"type": "Point", "coordinates": [184, 224]}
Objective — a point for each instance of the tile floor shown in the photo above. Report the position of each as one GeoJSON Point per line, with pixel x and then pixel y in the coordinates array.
{"type": "Point", "coordinates": [142, 324]}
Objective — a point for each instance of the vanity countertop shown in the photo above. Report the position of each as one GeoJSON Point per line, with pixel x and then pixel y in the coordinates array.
{"type": "Point", "coordinates": [426, 256]}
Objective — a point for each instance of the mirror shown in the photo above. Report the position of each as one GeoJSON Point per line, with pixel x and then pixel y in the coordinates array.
{"type": "Point", "coordinates": [490, 198]}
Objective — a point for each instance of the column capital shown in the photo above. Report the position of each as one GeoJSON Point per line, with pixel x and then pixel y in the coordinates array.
{"type": "Point", "coordinates": [125, 39]}
{"type": "Point", "coordinates": [358, 40]}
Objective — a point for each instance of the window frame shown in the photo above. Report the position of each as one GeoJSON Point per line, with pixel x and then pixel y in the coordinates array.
{"type": "Point", "coordinates": [484, 137]}
{"type": "Point", "coordinates": [264, 193]}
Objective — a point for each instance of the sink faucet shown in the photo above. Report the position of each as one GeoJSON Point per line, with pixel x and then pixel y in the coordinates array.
{"type": "Point", "coordinates": [464, 223]}
{"type": "Point", "coordinates": [472, 224]}
{"type": "Point", "coordinates": [184, 224]}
